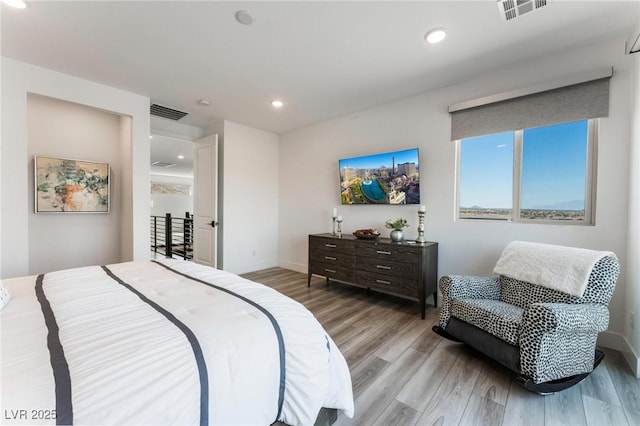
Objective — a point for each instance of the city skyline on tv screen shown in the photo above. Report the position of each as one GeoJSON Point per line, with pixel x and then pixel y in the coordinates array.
{"type": "Point", "coordinates": [385, 178]}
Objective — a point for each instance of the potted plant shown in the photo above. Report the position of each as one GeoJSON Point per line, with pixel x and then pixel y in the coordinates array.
{"type": "Point", "coordinates": [396, 227]}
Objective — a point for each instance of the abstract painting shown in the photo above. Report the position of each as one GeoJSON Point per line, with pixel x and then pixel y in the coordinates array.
{"type": "Point", "coordinates": [170, 188]}
{"type": "Point", "coordinates": [73, 186]}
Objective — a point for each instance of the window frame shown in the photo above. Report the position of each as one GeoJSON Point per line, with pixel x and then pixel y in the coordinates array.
{"type": "Point", "coordinates": [591, 167]}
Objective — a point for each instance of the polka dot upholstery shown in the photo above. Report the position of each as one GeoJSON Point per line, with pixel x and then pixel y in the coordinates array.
{"type": "Point", "coordinates": [555, 332]}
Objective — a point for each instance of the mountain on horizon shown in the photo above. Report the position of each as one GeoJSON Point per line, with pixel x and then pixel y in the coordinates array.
{"type": "Point", "coordinates": [564, 205]}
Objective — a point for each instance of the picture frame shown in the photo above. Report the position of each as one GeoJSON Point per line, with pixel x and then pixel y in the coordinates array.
{"type": "Point", "coordinates": [64, 185]}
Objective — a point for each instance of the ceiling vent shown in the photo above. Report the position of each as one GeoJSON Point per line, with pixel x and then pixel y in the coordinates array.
{"type": "Point", "coordinates": [511, 9]}
{"type": "Point", "coordinates": [162, 164]}
{"type": "Point", "coordinates": [165, 112]}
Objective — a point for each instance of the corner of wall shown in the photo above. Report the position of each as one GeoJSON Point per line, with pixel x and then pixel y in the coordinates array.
{"type": "Point", "coordinates": [619, 342]}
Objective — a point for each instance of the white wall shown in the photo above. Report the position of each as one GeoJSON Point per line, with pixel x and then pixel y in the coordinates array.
{"type": "Point", "coordinates": [309, 177]}
{"type": "Point", "coordinates": [632, 298]}
{"type": "Point", "coordinates": [249, 218]}
{"type": "Point", "coordinates": [19, 79]}
{"type": "Point", "coordinates": [67, 130]}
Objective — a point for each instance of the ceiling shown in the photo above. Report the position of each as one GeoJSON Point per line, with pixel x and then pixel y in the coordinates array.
{"type": "Point", "coordinates": [323, 59]}
{"type": "Point", "coordinates": [166, 150]}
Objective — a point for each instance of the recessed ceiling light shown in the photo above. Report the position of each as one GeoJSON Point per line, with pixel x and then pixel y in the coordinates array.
{"type": "Point", "coordinates": [150, 136]}
{"type": "Point", "coordinates": [18, 4]}
{"type": "Point", "coordinates": [204, 102]}
{"type": "Point", "coordinates": [435, 35]}
{"type": "Point", "coordinates": [181, 157]}
{"type": "Point", "coordinates": [277, 104]}
{"type": "Point", "coordinates": [244, 17]}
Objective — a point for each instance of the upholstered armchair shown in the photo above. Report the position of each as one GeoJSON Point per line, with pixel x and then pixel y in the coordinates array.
{"type": "Point", "coordinates": [541, 315]}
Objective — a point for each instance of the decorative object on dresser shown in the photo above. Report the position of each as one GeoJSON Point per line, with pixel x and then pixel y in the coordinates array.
{"type": "Point", "coordinates": [396, 227]}
{"type": "Point", "coordinates": [406, 269]}
{"type": "Point", "coordinates": [366, 234]}
{"type": "Point", "coordinates": [421, 212]}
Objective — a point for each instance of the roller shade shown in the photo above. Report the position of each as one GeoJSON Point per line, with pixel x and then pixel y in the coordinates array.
{"type": "Point", "coordinates": [573, 102]}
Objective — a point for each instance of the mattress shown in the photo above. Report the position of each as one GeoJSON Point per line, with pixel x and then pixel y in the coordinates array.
{"type": "Point", "coordinates": [163, 342]}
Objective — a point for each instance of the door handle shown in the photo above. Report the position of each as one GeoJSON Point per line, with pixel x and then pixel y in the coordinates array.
{"type": "Point", "coordinates": [213, 223]}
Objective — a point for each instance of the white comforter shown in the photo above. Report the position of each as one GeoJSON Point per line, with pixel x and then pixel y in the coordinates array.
{"type": "Point", "coordinates": [139, 343]}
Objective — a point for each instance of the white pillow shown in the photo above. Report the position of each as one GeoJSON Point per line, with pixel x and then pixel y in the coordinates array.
{"type": "Point", "coordinates": [5, 295]}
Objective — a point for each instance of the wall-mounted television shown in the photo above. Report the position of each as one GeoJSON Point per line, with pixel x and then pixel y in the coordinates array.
{"type": "Point", "coordinates": [386, 178]}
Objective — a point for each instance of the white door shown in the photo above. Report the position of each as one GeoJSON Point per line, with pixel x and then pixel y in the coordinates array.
{"type": "Point", "coordinates": [205, 197]}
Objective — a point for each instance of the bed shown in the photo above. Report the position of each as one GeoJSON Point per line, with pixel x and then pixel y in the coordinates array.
{"type": "Point", "coordinates": [163, 342]}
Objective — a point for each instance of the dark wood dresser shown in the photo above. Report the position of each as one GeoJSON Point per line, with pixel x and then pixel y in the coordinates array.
{"type": "Point", "coordinates": [404, 269]}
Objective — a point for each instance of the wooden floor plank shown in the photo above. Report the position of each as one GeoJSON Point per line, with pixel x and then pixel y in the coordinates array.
{"type": "Point", "coordinates": [406, 335]}
{"type": "Point", "coordinates": [627, 386]}
{"type": "Point", "coordinates": [600, 413]}
{"type": "Point", "coordinates": [397, 414]}
{"type": "Point", "coordinates": [377, 397]}
{"type": "Point", "coordinates": [564, 408]}
{"type": "Point", "coordinates": [523, 407]}
{"type": "Point", "coordinates": [366, 373]}
{"type": "Point", "coordinates": [450, 400]}
{"type": "Point", "coordinates": [599, 386]}
{"type": "Point", "coordinates": [422, 387]}
{"type": "Point", "coordinates": [494, 382]}
{"type": "Point", "coordinates": [482, 412]}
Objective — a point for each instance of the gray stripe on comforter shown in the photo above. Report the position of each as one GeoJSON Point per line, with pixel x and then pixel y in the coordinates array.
{"type": "Point", "coordinates": [61, 375]}
{"type": "Point", "coordinates": [262, 309]}
{"type": "Point", "coordinates": [195, 345]}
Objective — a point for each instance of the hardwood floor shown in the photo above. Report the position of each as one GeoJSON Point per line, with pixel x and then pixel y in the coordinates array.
{"type": "Point", "coordinates": [405, 374]}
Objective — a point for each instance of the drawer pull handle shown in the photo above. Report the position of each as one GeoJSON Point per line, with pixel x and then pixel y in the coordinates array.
{"type": "Point", "coordinates": [383, 267]}
{"type": "Point", "coordinates": [330, 245]}
{"type": "Point", "coordinates": [330, 270]}
{"type": "Point", "coordinates": [383, 282]}
{"type": "Point", "coordinates": [383, 252]}
{"type": "Point", "coordinates": [330, 258]}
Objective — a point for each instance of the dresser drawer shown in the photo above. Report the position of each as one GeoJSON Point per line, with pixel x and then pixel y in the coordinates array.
{"type": "Point", "coordinates": [333, 271]}
{"type": "Point", "coordinates": [390, 252]}
{"type": "Point", "coordinates": [392, 284]}
{"type": "Point", "coordinates": [322, 255]}
{"type": "Point", "coordinates": [384, 266]}
{"type": "Point", "coordinates": [332, 245]}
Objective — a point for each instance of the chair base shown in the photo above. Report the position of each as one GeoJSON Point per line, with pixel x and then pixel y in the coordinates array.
{"type": "Point", "coordinates": [551, 387]}
{"type": "Point", "coordinates": [442, 332]}
{"type": "Point", "coordinates": [508, 356]}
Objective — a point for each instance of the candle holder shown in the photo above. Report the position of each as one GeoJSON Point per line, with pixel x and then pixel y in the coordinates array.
{"type": "Point", "coordinates": [420, 238]}
{"type": "Point", "coordinates": [339, 231]}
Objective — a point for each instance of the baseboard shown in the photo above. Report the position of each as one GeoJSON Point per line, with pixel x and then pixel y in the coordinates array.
{"type": "Point", "coordinates": [617, 341]}
{"type": "Point", "coordinates": [294, 266]}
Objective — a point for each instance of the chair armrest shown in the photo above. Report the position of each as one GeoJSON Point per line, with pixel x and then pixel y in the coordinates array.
{"type": "Point", "coordinates": [470, 287]}
{"type": "Point", "coordinates": [558, 340]}
{"type": "Point", "coordinates": [550, 317]}
{"type": "Point", "coordinates": [465, 287]}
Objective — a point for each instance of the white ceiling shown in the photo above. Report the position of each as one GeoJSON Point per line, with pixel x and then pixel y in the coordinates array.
{"type": "Point", "coordinates": [324, 59]}
{"type": "Point", "coordinates": [167, 150]}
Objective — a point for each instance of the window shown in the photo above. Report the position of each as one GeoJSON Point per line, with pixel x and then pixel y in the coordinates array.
{"type": "Point", "coordinates": [537, 174]}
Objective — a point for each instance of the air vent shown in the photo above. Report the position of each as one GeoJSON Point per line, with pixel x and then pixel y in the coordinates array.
{"type": "Point", "coordinates": [511, 9]}
{"type": "Point", "coordinates": [162, 164]}
{"type": "Point", "coordinates": [165, 112]}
